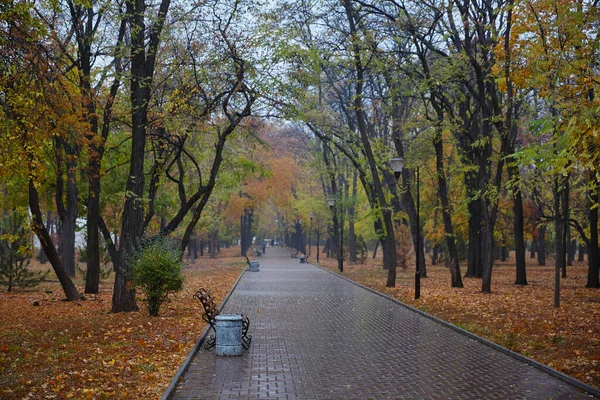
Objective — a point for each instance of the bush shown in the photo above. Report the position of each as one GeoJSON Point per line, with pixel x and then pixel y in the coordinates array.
{"type": "Point", "coordinates": [157, 271]}
{"type": "Point", "coordinates": [16, 252]}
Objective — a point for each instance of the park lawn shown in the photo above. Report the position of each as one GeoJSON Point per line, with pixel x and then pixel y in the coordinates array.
{"type": "Point", "coordinates": [521, 318]}
{"type": "Point", "coordinates": [81, 350]}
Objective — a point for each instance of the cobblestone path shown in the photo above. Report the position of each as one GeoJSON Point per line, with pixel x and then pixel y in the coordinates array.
{"type": "Point", "coordinates": [317, 336]}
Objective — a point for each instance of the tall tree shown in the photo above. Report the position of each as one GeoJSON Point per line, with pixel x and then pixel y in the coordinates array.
{"type": "Point", "coordinates": [382, 204]}
{"type": "Point", "coordinates": [33, 111]}
{"type": "Point", "coordinates": [142, 67]}
{"type": "Point", "coordinates": [86, 20]}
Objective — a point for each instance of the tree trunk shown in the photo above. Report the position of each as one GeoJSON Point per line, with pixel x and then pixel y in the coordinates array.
{"type": "Point", "coordinates": [572, 249]}
{"type": "Point", "coordinates": [487, 233]}
{"type": "Point", "coordinates": [46, 243]}
{"type": "Point", "coordinates": [565, 224]}
{"type": "Point", "coordinates": [581, 253]}
{"type": "Point", "coordinates": [375, 249]}
{"type": "Point", "coordinates": [69, 215]}
{"type": "Point", "coordinates": [474, 261]}
{"type": "Point", "coordinates": [541, 245]}
{"type": "Point", "coordinates": [43, 257]}
{"type": "Point", "coordinates": [242, 236]}
{"type": "Point", "coordinates": [246, 226]}
{"type": "Point", "coordinates": [558, 238]}
{"type": "Point", "coordinates": [455, 276]}
{"type": "Point", "coordinates": [593, 278]}
{"type": "Point", "coordinates": [133, 212]}
{"type": "Point", "coordinates": [519, 229]}
{"type": "Point", "coordinates": [335, 239]}
{"type": "Point", "coordinates": [92, 275]}
{"type": "Point", "coordinates": [195, 248]}
{"type": "Point", "coordinates": [192, 249]}
{"type": "Point", "coordinates": [351, 214]}
{"type": "Point", "coordinates": [390, 249]}
{"type": "Point", "coordinates": [142, 65]}
{"type": "Point", "coordinates": [533, 248]}
{"type": "Point", "coordinates": [334, 209]}
{"type": "Point", "coordinates": [435, 250]}
{"type": "Point", "coordinates": [213, 244]}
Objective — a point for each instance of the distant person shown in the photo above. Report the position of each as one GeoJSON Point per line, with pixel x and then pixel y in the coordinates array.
{"type": "Point", "coordinates": [264, 246]}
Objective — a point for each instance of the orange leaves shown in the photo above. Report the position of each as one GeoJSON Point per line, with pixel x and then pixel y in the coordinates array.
{"type": "Point", "coordinates": [82, 351]}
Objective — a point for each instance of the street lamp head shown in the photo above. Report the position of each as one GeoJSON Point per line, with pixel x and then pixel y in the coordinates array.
{"type": "Point", "coordinates": [397, 165]}
{"type": "Point", "coordinates": [311, 215]}
{"type": "Point", "coordinates": [331, 202]}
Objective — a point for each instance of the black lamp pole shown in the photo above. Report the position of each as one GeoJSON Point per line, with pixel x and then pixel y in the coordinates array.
{"type": "Point", "coordinates": [397, 165]}
{"type": "Point", "coordinates": [318, 232]}
{"type": "Point", "coordinates": [311, 215]}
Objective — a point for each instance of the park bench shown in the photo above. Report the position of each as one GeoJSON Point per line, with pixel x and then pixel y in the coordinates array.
{"type": "Point", "coordinates": [210, 313]}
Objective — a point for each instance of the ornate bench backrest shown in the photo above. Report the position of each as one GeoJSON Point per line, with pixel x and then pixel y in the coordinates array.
{"type": "Point", "coordinates": [210, 307]}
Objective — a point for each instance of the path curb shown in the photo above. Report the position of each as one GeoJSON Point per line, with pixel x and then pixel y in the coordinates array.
{"type": "Point", "coordinates": [186, 363]}
{"type": "Point", "coordinates": [542, 367]}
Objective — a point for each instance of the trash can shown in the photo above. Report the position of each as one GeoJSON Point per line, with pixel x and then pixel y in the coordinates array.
{"type": "Point", "coordinates": [302, 259]}
{"type": "Point", "coordinates": [228, 335]}
{"type": "Point", "coordinates": [253, 266]}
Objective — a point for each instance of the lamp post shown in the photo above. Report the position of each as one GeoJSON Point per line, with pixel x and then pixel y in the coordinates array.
{"type": "Point", "coordinates": [311, 215]}
{"type": "Point", "coordinates": [301, 239]}
{"type": "Point", "coordinates": [397, 165]}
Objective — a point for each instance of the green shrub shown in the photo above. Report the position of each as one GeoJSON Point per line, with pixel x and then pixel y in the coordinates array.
{"type": "Point", "coordinates": [16, 252]}
{"type": "Point", "coordinates": [157, 271]}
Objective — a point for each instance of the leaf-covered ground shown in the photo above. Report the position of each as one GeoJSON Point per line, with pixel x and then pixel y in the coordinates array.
{"type": "Point", "coordinates": [83, 351]}
{"type": "Point", "coordinates": [521, 318]}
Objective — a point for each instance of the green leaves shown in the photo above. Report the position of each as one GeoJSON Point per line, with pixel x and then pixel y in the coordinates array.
{"type": "Point", "coordinates": [157, 271]}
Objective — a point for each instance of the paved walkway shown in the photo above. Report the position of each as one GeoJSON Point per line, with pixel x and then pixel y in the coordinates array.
{"type": "Point", "coordinates": [317, 336]}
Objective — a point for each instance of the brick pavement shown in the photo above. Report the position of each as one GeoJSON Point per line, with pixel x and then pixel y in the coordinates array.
{"type": "Point", "coordinates": [317, 336]}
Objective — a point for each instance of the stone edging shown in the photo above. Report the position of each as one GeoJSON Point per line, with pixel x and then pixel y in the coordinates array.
{"type": "Point", "coordinates": [542, 367]}
{"type": "Point", "coordinates": [186, 363]}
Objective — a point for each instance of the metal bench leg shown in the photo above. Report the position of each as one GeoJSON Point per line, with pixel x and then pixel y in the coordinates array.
{"type": "Point", "coordinates": [246, 339]}
{"type": "Point", "coordinates": [212, 339]}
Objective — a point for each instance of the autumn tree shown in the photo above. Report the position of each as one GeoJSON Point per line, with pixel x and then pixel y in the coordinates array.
{"type": "Point", "coordinates": [36, 110]}
{"type": "Point", "coordinates": [562, 48]}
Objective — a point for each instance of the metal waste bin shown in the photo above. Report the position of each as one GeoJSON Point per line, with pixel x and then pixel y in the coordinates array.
{"type": "Point", "coordinates": [228, 335]}
{"type": "Point", "coordinates": [253, 266]}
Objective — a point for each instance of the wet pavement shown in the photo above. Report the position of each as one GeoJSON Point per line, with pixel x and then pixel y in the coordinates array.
{"type": "Point", "coordinates": [318, 336]}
